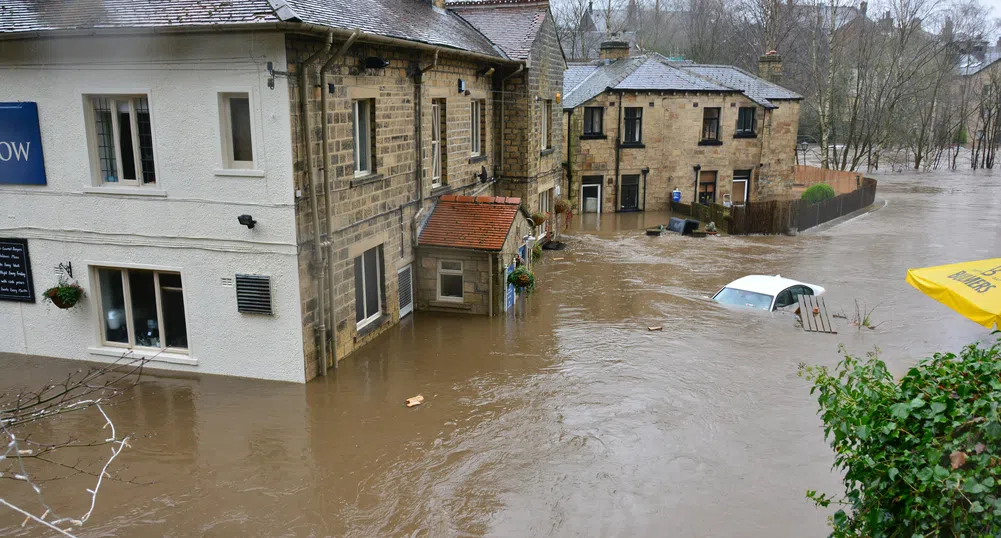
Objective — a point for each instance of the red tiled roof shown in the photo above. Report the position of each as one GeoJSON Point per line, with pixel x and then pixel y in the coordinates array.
{"type": "Point", "coordinates": [479, 223]}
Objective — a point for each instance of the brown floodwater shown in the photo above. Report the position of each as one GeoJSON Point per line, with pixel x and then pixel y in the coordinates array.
{"type": "Point", "coordinates": [567, 419]}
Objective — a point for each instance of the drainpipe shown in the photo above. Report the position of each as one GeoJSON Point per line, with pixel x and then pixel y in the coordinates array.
{"type": "Point", "coordinates": [503, 96]}
{"type": "Point", "coordinates": [324, 145]}
{"type": "Point", "coordinates": [318, 257]}
{"type": "Point", "coordinates": [618, 149]}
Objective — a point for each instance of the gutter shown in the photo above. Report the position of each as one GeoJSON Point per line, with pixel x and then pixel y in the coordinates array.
{"type": "Point", "coordinates": [318, 258]}
{"type": "Point", "coordinates": [324, 145]}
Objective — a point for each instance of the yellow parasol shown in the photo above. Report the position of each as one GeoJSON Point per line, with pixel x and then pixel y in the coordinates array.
{"type": "Point", "coordinates": [971, 288]}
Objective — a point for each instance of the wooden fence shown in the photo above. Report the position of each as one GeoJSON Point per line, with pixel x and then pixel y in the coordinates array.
{"type": "Point", "coordinates": [779, 216]}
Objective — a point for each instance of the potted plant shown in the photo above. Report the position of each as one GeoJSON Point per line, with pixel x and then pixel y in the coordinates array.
{"type": "Point", "coordinates": [64, 295]}
{"type": "Point", "coordinates": [522, 279]}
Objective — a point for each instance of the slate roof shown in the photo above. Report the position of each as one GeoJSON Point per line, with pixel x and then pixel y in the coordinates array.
{"type": "Point", "coordinates": [653, 72]}
{"type": "Point", "coordinates": [512, 26]}
{"type": "Point", "coordinates": [412, 20]}
{"type": "Point", "coordinates": [756, 89]}
{"type": "Point", "coordinates": [477, 223]}
{"type": "Point", "coordinates": [36, 15]}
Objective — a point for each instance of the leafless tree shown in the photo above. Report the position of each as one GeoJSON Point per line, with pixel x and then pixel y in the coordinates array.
{"type": "Point", "coordinates": [31, 460]}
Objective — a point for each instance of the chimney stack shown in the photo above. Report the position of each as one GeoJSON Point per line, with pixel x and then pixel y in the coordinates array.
{"type": "Point", "coordinates": [614, 50]}
{"type": "Point", "coordinates": [770, 67]}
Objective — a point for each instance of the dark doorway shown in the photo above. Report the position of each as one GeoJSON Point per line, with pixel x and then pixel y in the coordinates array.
{"type": "Point", "coordinates": [630, 193]}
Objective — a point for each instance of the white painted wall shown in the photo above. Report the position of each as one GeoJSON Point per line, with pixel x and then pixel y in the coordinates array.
{"type": "Point", "coordinates": [189, 223]}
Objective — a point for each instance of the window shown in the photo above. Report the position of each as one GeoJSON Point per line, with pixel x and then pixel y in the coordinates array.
{"type": "Point", "coordinates": [142, 308]}
{"type": "Point", "coordinates": [593, 120]}
{"type": "Point", "coordinates": [477, 127]}
{"type": "Point", "coordinates": [439, 135]}
{"type": "Point", "coordinates": [363, 139]}
{"type": "Point", "coordinates": [745, 121]}
{"type": "Point", "coordinates": [710, 124]}
{"type": "Point", "coordinates": [122, 138]}
{"type": "Point", "coordinates": [368, 286]}
{"type": "Point", "coordinates": [237, 140]}
{"type": "Point", "coordinates": [634, 125]}
{"type": "Point", "coordinates": [450, 280]}
{"type": "Point", "coordinates": [547, 124]}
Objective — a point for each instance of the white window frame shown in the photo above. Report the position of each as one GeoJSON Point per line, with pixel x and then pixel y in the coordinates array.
{"type": "Point", "coordinates": [452, 272]}
{"type": "Point", "coordinates": [129, 321]}
{"type": "Point", "coordinates": [362, 134]}
{"type": "Point", "coordinates": [435, 144]}
{"type": "Point", "coordinates": [226, 131]}
{"type": "Point", "coordinates": [475, 135]}
{"type": "Point", "coordinates": [379, 282]}
{"type": "Point", "coordinates": [93, 144]}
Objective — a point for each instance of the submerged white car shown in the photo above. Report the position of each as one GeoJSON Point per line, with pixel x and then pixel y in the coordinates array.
{"type": "Point", "coordinates": [765, 292]}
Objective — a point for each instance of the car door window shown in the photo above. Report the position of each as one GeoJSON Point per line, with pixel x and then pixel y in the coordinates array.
{"type": "Point", "coordinates": [784, 299]}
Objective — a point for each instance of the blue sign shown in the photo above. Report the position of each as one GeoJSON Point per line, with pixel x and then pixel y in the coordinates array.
{"type": "Point", "coordinates": [21, 161]}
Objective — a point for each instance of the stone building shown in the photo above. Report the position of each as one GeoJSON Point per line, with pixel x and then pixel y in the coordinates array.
{"type": "Point", "coordinates": [249, 202]}
{"type": "Point", "coordinates": [640, 127]}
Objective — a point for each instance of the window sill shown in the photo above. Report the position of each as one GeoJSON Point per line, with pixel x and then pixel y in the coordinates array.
{"type": "Point", "coordinates": [452, 305]}
{"type": "Point", "coordinates": [746, 135]}
{"type": "Point", "coordinates": [151, 355]}
{"type": "Point", "coordinates": [632, 145]}
{"type": "Point", "coordinates": [127, 191]}
{"type": "Point", "coordinates": [548, 151]}
{"type": "Point", "coordinates": [477, 159]}
{"type": "Point", "coordinates": [238, 172]}
{"type": "Point", "coordinates": [710, 142]}
{"type": "Point", "coordinates": [358, 181]}
{"type": "Point", "coordinates": [595, 136]}
{"type": "Point", "coordinates": [372, 326]}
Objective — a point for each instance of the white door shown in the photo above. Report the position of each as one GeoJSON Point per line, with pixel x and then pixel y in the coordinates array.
{"type": "Point", "coordinates": [406, 288]}
{"type": "Point", "coordinates": [591, 195]}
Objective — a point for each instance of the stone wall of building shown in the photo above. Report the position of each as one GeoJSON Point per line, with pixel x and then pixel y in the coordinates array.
{"type": "Point", "coordinates": [671, 148]}
{"type": "Point", "coordinates": [379, 210]}
{"type": "Point", "coordinates": [527, 168]}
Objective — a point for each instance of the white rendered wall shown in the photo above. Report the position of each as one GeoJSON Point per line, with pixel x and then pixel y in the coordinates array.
{"type": "Point", "coordinates": [188, 222]}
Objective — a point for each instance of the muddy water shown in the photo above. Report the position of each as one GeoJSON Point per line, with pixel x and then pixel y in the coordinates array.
{"type": "Point", "coordinates": [570, 419]}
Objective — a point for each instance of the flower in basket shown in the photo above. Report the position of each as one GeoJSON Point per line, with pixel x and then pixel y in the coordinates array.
{"type": "Point", "coordinates": [64, 295]}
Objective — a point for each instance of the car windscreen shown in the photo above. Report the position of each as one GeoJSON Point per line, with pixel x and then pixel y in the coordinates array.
{"type": "Point", "coordinates": [733, 296]}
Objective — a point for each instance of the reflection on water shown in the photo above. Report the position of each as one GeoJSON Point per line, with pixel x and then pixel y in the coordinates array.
{"type": "Point", "coordinates": [568, 419]}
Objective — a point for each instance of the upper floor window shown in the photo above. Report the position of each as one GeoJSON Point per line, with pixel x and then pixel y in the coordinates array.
{"type": "Point", "coordinates": [547, 124]}
{"type": "Point", "coordinates": [634, 125]}
{"type": "Point", "coordinates": [237, 137]}
{"type": "Point", "coordinates": [594, 117]}
{"type": "Point", "coordinates": [710, 124]}
{"type": "Point", "coordinates": [121, 138]}
{"type": "Point", "coordinates": [363, 139]}
{"type": "Point", "coordinates": [477, 127]}
{"type": "Point", "coordinates": [745, 121]}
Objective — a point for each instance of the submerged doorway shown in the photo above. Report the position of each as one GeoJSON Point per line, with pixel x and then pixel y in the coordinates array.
{"type": "Point", "coordinates": [590, 194]}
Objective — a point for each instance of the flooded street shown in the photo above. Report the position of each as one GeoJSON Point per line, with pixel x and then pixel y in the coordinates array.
{"type": "Point", "coordinates": [570, 419]}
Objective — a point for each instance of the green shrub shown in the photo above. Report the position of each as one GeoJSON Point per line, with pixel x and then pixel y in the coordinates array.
{"type": "Point", "coordinates": [920, 457]}
{"type": "Point", "coordinates": [818, 193]}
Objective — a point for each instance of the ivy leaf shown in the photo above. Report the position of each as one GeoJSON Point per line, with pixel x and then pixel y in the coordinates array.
{"type": "Point", "coordinates": [900, 410]}
{"type": "Point", "coordinates": [993, 430]}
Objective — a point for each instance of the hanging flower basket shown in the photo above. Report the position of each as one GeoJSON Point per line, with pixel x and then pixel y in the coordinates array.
{"type": "Point", "coordinates": [64, 295]}
{"type": "Point", "coordinates": [522, 279]}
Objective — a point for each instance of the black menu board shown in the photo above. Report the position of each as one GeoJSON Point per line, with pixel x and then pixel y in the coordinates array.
{"type": "Point", "coordinates": [15, 271]}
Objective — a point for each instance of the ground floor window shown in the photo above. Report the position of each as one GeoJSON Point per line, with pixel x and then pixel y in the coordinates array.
{"type": "Point", "coordinates": [450, 280]}
{"type": "Point", "coordinates": [368, 286]}
{"type": "Point", "coordinates": [142, 308]}
{"type": "Point", "coordinates": [707, 188]}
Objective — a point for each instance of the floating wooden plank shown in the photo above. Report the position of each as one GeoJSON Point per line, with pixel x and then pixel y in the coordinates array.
{"type": "Point", "coordinates": [813, 313]}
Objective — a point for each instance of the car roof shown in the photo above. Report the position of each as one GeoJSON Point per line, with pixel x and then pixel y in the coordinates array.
{"type": "Point", "coordinates": [767, 284]}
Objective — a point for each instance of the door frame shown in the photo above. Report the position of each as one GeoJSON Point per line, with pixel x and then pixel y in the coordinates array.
{"type": "Point", "coordinates": [582, 187]}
